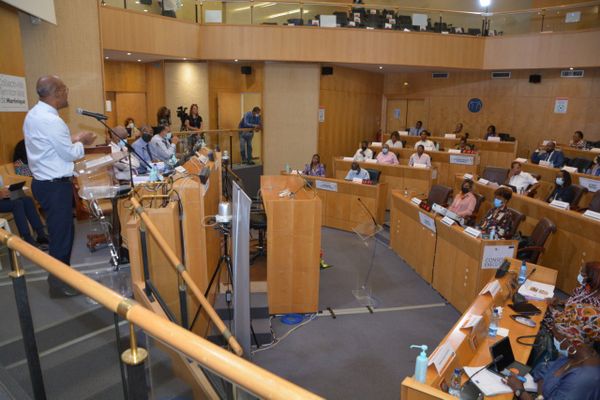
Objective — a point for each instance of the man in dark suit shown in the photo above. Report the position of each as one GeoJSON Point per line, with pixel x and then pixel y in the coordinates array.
{"type": "Point", "coordinates": [549, 154]}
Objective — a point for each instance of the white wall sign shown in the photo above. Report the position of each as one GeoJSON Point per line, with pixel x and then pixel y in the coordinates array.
{"type": "Point", "coordinates": [493, 256]}
{"type": "Point", "coordinates": [321, 114]}
{"type": "Point", "coordinates": [13, 94]}
{"type": "Point", "coordinates": [591, 185]}
{"type": "Point", "coordinates": [463, 160]}
{"type": "Point", "coordinates": [427, 221]}
{"type": "Point", "coordinates": [396, 113]}
{"type": "Point", "coordinates": [560, 105]}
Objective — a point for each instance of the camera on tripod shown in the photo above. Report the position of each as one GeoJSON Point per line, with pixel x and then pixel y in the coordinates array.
{"type": "Point", "coordinates": [182, 115]}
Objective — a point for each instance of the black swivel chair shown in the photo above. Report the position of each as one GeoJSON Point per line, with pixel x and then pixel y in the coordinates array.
{"type": "Point", "coordinates": [582, 164]}
{"type": "Point", "coordinates": [373, 175]}
{"type": "Point", "coordinates": [258, 221]}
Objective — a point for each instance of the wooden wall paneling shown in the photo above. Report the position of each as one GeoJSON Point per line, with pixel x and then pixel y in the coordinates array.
{"type": "Point", "coordinates": [155, 90]}
{"type": "Point", "coordinates": [131, 105]}
{"type": "Point", "coordinates": [11, 63]}
{"type": "Point", "coordinates": [229, 113]}
{"type": "Point", "coordinates": [120, 76]}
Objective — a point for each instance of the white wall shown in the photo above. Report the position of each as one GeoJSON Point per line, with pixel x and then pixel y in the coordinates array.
{"type": "Point", "coordinates": [187, 83]}
{"type": "Point", "coordinates": [290, 108]}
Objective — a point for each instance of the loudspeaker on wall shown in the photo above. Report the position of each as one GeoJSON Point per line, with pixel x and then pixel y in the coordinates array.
{"type": "Point", "coordinates": [246, 70]}
{"type": "Point", "coordinates": [326, 70]}
{"type": "Point", "coordinates": [535, 78]}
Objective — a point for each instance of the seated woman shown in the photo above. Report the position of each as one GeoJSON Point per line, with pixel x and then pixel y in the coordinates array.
{"type": "Point", "coordinates": [386, 156]}
{"type": "Point", "coordinates": [595, 168]}
{"type": "Point", "coordinates": [463, 145]}
{"type": "Point", "coordinates": [491, 132]}
{"type": "Point", "coordinates": [499, 217]}
{"type": "Point", "coordinates": [394, 141]}
{"type": "Point", "coordinates": [576, 373]}
{"type": "Point", "coordinates": [564, 190]}
{"type": "Point", "coordinates": [464, 203]}
{"type": "Point", "coordinates": [315, 168]}
{"type": "Point", "coordinates": [24, 213]}
{"type": "Point", "coordinates": [20, 160]}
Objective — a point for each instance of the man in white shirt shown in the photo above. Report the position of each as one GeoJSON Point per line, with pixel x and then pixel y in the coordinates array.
{"type": "Point", "coordinates": [51, 150]}
{"type": "Point", "coordinates": [420, 157]}
{"type": "Point", "coordinates": [416, 131]}
{"type": "Point", "coordinates": [426, 143]}
{"type": "Point", "coordinates": [519, 179]}
{"type": "Point", "coordinates": [121, 168]}
{"type": "Point", "coordinates": [163, 144]}
{"type": "Point", "coordinates": [364, 152]}
{"type": "Point", "coordinates": [357, 172]}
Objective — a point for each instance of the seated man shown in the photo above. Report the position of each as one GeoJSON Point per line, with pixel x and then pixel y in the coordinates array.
{"type": "Point", "coordinates": [121, 168]}
{"type": "Point", "coordinates": [357, 172]}
{"type": "Point", "coordinates": [577, 141]}
{"type": "Point", "coordinates": [25, 214]}
{"type": "Point", "coordinates": [458, 130]}
{"type": "Point", "coordinates": [425, 142]}
{"type": "Point", "coordinates": [464, 146]}
{"type": "Point", "coordinates": [162, 145]}
{"type": "Point", "coordinates": [386, 156]}
{"type": "Point", "coordinates": [364, 153]}
{"type": "Point", "coordinates": [420, 157]}
{"type": "Point", "coordinates": [499, 218]}
{"type": "Point", "coordinates": [394, 141]}
{"type": "Point", "coordinates": [416, 131]}
{"type": "Point", "coordinates": [524, 182]}
{"type": "Point", "coordinates": [464, 203]}
{"type": "Point", "coordinates": [549, 154]}
{"type": "Point", "coordinates": [142, 148]}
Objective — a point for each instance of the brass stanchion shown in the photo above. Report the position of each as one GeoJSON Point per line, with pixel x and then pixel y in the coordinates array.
{"type": "Point", "coordinates": [134, 358]}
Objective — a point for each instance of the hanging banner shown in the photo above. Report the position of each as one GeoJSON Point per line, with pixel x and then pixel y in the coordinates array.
{"type": "Point", "coordinates": [13, 94]}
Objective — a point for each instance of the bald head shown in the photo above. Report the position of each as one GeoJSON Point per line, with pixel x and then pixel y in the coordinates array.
{"type": "Point", "coordinates": [121, 131]}
{"type": "Point", "coordinates": [53, 91]}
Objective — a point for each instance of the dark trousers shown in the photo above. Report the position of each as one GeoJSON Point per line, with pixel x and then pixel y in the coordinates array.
{"type": "Point", "coordinates": [24, 212]}
{"type": "Point", "coordinates": [246, 146]}
{"type": "Point", "coordinates": [56, 199]}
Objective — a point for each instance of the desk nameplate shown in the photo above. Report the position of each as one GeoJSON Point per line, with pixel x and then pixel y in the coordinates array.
{"type": "Point", "coordinates": [324, 185]}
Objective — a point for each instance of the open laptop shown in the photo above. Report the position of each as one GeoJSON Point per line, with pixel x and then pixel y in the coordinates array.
{"type": "Point", "coordinates": [507, 362]}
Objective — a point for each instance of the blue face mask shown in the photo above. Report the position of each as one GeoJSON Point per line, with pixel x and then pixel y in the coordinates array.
{"type": "Point", "coordinates": [169, 135]}
{"type": "Point", "coordinates": [580, 279]}
{"type": "Point", "coordinates": [497, 203]}
{"type": "Point", "coordinates": [384, 151]}
{"type": "Point", "coordinates": [560, 181]}
{"type": "Point", "coordinates": [557, 344]}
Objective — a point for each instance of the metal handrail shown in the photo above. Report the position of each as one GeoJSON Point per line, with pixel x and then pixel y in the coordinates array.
{"type": "Point", "coordinates": [250, 377]}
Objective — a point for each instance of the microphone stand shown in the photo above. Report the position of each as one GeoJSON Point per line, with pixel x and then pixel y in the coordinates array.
{"type": "Point", "coordinates": [469, 390]}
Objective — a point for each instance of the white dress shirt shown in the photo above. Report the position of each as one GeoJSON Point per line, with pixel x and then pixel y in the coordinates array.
{"type": "Point", "coordinates": [361, 173]}
{"type": "Point", "coordinates": [397, 145]}
{"type": "Point", "coordinates": [423, 159]}
{"type": "Point", "coordinates": [50, 150]}
{"type": "Point", "coordinates": [522, 181]}
{"type": "Point", "coordinates": [161, 148]}
{"type": "Point", "coordinates": [121, 168]}
{"type": "Point", "coordinates": [368, 155]}
{"type": "Point", "coordinates": [427, 144]}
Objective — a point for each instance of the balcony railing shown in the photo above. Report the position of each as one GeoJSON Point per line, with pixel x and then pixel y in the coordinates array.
{"type": "Point", "coordinates": [382, 15]}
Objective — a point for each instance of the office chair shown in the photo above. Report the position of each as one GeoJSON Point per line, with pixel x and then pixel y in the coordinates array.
{"type": "Point", "coordinates": [535, 243]}
{"type": "Point", "coordinates": [582, 164]}
{"type": "Point", "coordinates": [472, 220]}
{"type": "Point", "coordinates": [296, 21]}
{"type": "Point", "coordinates": [594, 203]}
{"type": "Point", "coordinates": [518, 217]}
{"type": "Point", "coordinates": [439, 194]}
{"type": "Point", "coordinates": [579, 192]}
{"type": "Point", "coordinates": [373, 175]}
{"type": "Point", "coordinates": [258, 221]}
{"type": "Point", "coordinates": [504, 137]}
{"type": "Point", "coordinates": [495, 174]}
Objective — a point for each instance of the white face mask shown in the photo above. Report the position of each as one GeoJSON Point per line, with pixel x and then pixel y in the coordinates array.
{"type": "Point", "coordinates": [560, 181]}
{"type": "Point", "coordinates": [557, 344]}
{"type": "Point", "coordinates": [580, 279]}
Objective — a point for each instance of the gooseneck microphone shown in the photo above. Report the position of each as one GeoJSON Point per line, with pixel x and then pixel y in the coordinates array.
{"type": "Point", "coordinates": [98, 116]}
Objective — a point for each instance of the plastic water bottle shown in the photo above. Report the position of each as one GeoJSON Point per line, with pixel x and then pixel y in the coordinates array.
{"type": "Point", "coordinates": [522, 273]}
{"type": "Point", "coordinates": [493, 233]}
{"type": "Point", "coordinates": [287, 168]}
{"type": "Point", "coordinates": [421, 364]}
{"type": "Point", "coordinates": [493, 329]}
{"type": "Point", "coordinates": [454, 389]}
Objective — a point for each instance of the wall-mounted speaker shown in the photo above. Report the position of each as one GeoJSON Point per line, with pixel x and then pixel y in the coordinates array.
{"type": "Point", "coordinates": [326, 70]}
{"type": "Point", "coordinates": [246, 70]}
{"type": "Point", "coordinates": [535, 78]}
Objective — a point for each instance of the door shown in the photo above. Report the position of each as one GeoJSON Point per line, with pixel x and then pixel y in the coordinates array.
{"type": "Point", "coordinates": [396, 115]}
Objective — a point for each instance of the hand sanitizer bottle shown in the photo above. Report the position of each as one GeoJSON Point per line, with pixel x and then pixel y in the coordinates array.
{"type": "Point", "coordinates": [421, 364]}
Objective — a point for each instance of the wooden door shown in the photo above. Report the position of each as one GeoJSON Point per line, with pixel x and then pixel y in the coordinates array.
{"type": "Point", "coordinates": [416, 111]}
{"type": "Point", "coordinates": [229, 114]}
{"type": "Point", "coordinates": [131, 105]}
{"type": "Point", "coordinates": [396, 115]}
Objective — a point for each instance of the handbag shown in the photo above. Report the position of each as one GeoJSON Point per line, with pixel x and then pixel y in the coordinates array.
{"type": "Point", "coordinates": [543, 346]}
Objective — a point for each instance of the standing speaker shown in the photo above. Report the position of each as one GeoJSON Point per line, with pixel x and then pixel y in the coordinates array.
{"type": "Point", "coordinates": [326, 70]}
{"type": "Point", "coordinates": [536, 78]}
{"type": "Point", "coordinates": [246, 70]}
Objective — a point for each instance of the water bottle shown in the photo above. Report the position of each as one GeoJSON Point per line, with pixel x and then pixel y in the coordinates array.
{"type": "Point", "coordinates": [287, 168]}
{"type": "Point", "coordinates": [421, 364]}
{"type": "Point", "coordinates": [493, 329]}
{"type": "Point", "coordinates": [454, 389]}
{"type": "Point", "coordinates": [522, 273]}
{"type": "Point", "coordinates": [493, 233]}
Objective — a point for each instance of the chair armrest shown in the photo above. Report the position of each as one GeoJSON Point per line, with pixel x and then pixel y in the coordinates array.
{"type": "Point", "coordinates": [532, 248]}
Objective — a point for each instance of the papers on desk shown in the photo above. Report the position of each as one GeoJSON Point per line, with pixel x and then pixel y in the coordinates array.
{"type": "Point", "coordinates": [348, 158]}
{"type": "Point", "coordinates": [453, 151]}
{"type": "Point", "coordinates": [503, 332]}
{"type": "Point", "coordinates": [491, 384]}
{"type": "Point", "coordinates": [376, 144]}
{"type": "Point", "coordinates": [450, 135]}
{"type": "Point", "coordinates": [418, 165]}
{"type": "Point", "coordinates": [492, 288]}
{"type": "Point", "coordinates": [592, 214]}
{"type": "Point", "coordinates": [533, 290]}
{"type": "Point", "coordinates": [468, 176]}
{"type": "Point", "coordinates": [403, 133]}
{"type": "Point", "coordinates": [521, 160]}
{"type": "Point", "coordinates": [416, 200]}
{"type": "Point", "coordinates": [441, 357]}
{"type": "Point", "coordinates": [544, 163]}
{"type": "Point", "coordinates": [571, 170]}
{"type": "Point", "coordinates": [472, 321]}
{"type": "Point", "coordinates": [483, 181]}
{"type": "Point", "coordinates": [370, 161]}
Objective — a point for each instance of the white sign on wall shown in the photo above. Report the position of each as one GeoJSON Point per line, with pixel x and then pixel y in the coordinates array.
{"type": "Point", "coordinates": [560, 105]}
{"type": "Point", "coordinates": [321, 114]}
{"type": "Point", "coordinates": [13, 94]}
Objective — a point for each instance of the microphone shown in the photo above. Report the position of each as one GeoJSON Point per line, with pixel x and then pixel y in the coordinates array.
{"type": "Point", "coordinates": [98, 116]}
{"type": "Point", "coordinates": [367, 210]}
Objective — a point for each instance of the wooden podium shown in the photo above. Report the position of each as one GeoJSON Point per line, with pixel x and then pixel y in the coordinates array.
{"type": "Point", "coordinates": [293, 245]}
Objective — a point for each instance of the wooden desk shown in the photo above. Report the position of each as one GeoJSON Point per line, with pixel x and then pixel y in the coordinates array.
{"type": "Point", "coordinates": [401, 177]}
{"type": "Point", "coordinates": [409, 238]}
{"type": "Point", "coordinates": [341, 208]}
{"type": "Point", "coordinates": [458, 338]}
{"type": "Point", "coordinates": [294, 245]}
{"type": "Point", "coordinates": [547, 183]}
{"type": "Point", "coordinates": [575, 240]}
{"type": "Point", "coordinates": [491, 153]}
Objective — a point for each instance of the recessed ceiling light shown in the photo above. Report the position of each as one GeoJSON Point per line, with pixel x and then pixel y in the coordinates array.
{"type": "Point", "coordinates": [106, 57]}
{"type": "Point", "coordinates": [236, 60]}
{"type": "Point", "coordinates": [145, 10]}
{"type": "Point", "coordinates": [380, 67]}
{"type": "Point", "coordinates": [139, 60]}
{"type": "Point", "coordinates": [128, 54]}
{"type": "Point", "coordinates": [184, 59]}
{"type": "Point", "coordinates": [405, 83]}
{"type": "Point", "coordinates": [571, 68]}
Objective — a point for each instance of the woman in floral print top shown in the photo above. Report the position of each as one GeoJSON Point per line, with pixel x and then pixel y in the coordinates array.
{"type": "Point", "coordinates": [499, 216]}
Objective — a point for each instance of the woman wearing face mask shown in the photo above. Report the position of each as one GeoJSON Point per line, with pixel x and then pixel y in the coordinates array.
{"type": "Point", "coordinates": [464, 203]}
{"type": "Point", "coordinates": [564, 190]}
{"type": "Point", "coordinates": [587, 293]}
{"type": "Point", "coordinates": [134, 132]}
{"type": "Point", "coordinates": [576, 372]}
{"type": "Point", "coordinates": [595, 169]}
{"type": "Point", "coordinates": [386, 156]}
{"type": "Point", "coordinates": [315, 168]}
{"type": "Point", "coordinates": [499, 218]}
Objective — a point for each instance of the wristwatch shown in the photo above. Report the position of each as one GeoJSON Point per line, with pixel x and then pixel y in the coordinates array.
{"type": "Point", "coordinates": [518, 393]}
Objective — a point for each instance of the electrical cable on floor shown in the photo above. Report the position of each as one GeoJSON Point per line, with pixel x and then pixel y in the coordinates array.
{"type": "Point", "coordinates": [277, 340]}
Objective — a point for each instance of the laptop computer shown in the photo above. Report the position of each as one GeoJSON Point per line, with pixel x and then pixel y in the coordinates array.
{"type": "Point", "coordinates": [16, 190]}
{"type": "Point", "coordinates": [507, 362]}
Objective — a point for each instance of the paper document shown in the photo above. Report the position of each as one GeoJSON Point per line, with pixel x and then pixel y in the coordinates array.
{"type": "Point", "coordinates": [503, 332]}
{"type": "Point", "coordinates": [441, 357]}
{"type": "Point", "coordinates": [492, 288]}
{"type": "Point", "coordinates": [533, 290]}
{"type": "Point", "coordinates": [491, 384]}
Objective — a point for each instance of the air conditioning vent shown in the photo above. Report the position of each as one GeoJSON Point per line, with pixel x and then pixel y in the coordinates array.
{"type": "Point", "coordinates": [501, 75]}
{"type": "Point", "coordinates": [440, 75]}
{"type": "Point", "coordinates": [571, 73]}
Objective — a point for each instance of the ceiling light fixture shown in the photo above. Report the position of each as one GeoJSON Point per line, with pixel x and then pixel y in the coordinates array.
{"type": "Point", "coordinates": [139, 60]}
{"type": "Point", "coordinates": [236, 60]}
{"type": "Point", "coordinates": [128, 54]}
{"type": "Point", "coordinates": [571, 68]}
{"type": "Point", "coordinates": [184, 59]}
{"type": "Point", "coordinates": [380, 67]}
{"type": "Point", "coordinates": [485, 3]}
{"type": "Point", "coordinates": [106, 57]}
